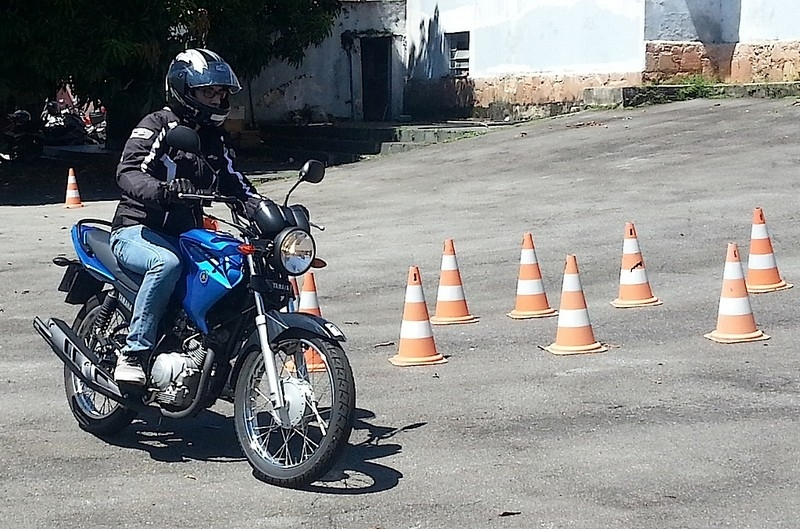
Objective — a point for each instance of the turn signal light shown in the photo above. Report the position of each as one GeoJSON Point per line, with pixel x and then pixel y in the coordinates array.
{"type": "Point", "coordinates": [246, 249]}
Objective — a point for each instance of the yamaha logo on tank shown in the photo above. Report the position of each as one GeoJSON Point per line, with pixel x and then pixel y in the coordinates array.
{"type": "Point", "coordinates": [203, 278]}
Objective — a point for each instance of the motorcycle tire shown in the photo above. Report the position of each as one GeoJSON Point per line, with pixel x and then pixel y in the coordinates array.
{"type": "Point", "coordinates": [302, 443]}
{"type": "Point", "coordinates": [96, 413]}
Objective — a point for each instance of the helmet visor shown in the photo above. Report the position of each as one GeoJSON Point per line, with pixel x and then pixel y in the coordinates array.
{"type": "Point", "coordinates": [216, 74]}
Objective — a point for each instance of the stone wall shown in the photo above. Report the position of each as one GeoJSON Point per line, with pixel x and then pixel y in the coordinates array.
{"type": "Point", "coordinates": [515, 97]}
{"type": "Point", "coordinates": [777, 61]}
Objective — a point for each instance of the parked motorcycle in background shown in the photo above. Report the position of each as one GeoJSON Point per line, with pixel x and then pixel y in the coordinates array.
{"type": "Point", "coordinates": [94, 119]}
{"type": "Point", "coordinates": [20, 138]}
{"type": "Point", "coordinates": [66, 122]}
{"type": "Point", "coordinates": [64, 125]}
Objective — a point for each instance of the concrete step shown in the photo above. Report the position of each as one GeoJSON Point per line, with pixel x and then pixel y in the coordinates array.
{"type": "Point", "coordinates": [345, 143]}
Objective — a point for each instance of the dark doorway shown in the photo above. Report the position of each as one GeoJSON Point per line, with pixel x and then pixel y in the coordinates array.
{"type": "Point", "coordinates": [376, 77]}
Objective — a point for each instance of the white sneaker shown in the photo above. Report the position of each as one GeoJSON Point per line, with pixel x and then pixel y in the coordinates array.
{"type": "Point", "coordinates": [129, 370]}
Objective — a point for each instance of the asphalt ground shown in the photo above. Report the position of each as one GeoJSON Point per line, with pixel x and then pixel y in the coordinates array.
{"type": "Point", "coordinates": [664, 430]}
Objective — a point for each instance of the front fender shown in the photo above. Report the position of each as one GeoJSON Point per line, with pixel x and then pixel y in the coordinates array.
{"type": "Point", "coordinates": [285, 325]}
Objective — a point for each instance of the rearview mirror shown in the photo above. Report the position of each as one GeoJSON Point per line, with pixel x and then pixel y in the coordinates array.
{"type": "Point", "coordinates": [313, 171]}
{"type": "Point", "coordinates": [184, 139]}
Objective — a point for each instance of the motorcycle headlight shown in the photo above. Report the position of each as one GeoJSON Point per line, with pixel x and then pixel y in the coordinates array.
{"type": "Point", "coordinates": [294, 251]}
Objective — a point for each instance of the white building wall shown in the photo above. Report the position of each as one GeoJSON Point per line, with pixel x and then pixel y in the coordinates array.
{"type": "Point", "coordinates": [764, 20]}
{"type": "Point", "coordinates": [328, 82]}
{"type": "Point", "coordinates": [512, 37]}
{"type": "Point", "coordinates": [708, 21]}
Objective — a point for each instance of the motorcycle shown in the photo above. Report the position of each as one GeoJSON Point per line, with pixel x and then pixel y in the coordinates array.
{"type": "Point", "coordinates": [65, 125]}
{"type": "Point", "coordinates": [20, 139]}
{"type": "Point", "coordinates": [228, 334]}
{"type": "Point", "coordinates": [94, 119]}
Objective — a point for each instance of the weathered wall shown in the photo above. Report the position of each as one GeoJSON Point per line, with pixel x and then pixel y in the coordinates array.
{"type": "Point", "coordinates": [508, 37]}
{"type": "Point", "coordinates": [732, 41]}
{"type": "Point", "coordinates": [328, 83]}
{"type": "Point", "coordinates": [729, 63]}
{"type": "Point", "coordinates": [707, 21]}
{"type": "Point", "coordinates": [769, 20]}
{"type": "Point", "coordinates": [524, 54]}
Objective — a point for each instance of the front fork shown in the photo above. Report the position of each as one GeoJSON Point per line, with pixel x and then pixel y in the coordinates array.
{"type": "Point", "coordinates": [275, 388]}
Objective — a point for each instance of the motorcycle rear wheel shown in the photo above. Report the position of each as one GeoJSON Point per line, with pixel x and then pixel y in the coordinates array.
{"type": "Point", "coordinates": [94, 412]}
{"type": "Point", "coordinates": [295, 446]}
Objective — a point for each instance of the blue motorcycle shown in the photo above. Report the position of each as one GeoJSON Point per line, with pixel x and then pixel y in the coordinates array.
{"type": "Point", "coordinates": [228, 334]}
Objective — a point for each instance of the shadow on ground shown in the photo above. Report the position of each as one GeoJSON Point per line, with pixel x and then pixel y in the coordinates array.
{"type": "Point", "coordinates": [44, 181]}
{"type": "Point", "coordinates": [211, 436]}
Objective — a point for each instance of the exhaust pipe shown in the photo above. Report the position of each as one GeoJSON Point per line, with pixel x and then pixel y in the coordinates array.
{"type": "Point", "coordinates": [83, 363]}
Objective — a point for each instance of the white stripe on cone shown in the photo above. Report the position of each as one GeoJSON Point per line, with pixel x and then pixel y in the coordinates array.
{"type": "Point", "coordinates": [762, 261]}
{"type": "Point", "coordinates": [308, 301]}
{"type": "Point", "coordinates": [414, 294]}
{"type": "Point", "coordinates": [529, 287]}
{"type": "Point", "coordinates": [573, 318]}
{"type": "Point", "coordinates": [450, 293]}
{"type": "Point", "coordinates": [633, 277]}
{"type": "Point", "coordinates": [449, 262]}
{"type": "Point", "coordinates": [415, 329]}
{"type": "Point", "coordinates": [733, 271]}
{"type": "Point", "coordinates": [759, 231]}
{"type": "Point", "coordinates": [734, 306]}
{"type": "Point", "coordinates": [572, 283]}
{"type": "Point", "coordinates": [630, 246]}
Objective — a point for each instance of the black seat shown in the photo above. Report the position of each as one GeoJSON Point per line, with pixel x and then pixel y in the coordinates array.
{"type": "Point", "coordinates": [97, 240]}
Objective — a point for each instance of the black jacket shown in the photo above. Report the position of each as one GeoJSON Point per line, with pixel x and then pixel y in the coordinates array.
{"type": "Point", "coordinates": [147, 163]}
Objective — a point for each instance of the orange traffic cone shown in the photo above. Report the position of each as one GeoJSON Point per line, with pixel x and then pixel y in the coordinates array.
{"type": "Point", "coordinates": [451, 307]}
{"type": "Point", "coordinates": [309, 305]}
{"type": "Point", "coordinates": [634, 289]}
{"type": "Point", "coordinates": [417, 347]}
{"type": "Point", "coordinates": [314, 362]}
{"type": "Point", "coordinates": [762, 270]}
{"type": "Point", "coordinates": [531, 297]}
{"type": "Point", "coordinates": [735, 322]}
{"type": "Point", "coordinates": [574, 334]}
{"type": "Point", "coordinates": [308, 297]}
{"type": "Point", "coordinates": [73, 199]}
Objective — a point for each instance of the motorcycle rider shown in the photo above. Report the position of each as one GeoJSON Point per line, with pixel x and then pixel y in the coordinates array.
{"type": "Point", "coordinates": [150, 215]}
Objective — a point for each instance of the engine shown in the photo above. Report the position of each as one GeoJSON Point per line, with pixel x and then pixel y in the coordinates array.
{"type": "Point", "coordinates": [176, 375]}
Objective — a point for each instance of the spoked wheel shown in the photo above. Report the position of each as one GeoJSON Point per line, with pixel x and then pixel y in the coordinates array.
{"type": "Point", "coordinates": [299, 443]}
{"type": "Point", "coordinates": [94, 412]}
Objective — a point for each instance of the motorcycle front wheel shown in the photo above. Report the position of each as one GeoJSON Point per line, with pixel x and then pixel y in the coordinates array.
{"type": "Point", "coordinates": [94, 412]}
{"type": "Point", "coordinates": [297, 444]}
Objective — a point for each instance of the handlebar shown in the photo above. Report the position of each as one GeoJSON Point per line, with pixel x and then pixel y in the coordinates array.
{"type": "Point", "coordinates": [211, 197]}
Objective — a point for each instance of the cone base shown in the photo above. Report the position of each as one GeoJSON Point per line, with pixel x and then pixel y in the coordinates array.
{"type": "Point", "coordinates": [444, 320]}
{"type": "Point", "coordinates": [595, 347]}
{"type": "Point", "coordinates": [763, 289]}
{"type": "Point", "coordinates": [630, 303]}
{"type": "Point", "coordinates": [527, 314]}
{"type": "Point", "coordinates": [408, 361]}
{"type": "Point", "coordinates": [72, 206]}
{"type": "Point", "coordinates": [736, 338]}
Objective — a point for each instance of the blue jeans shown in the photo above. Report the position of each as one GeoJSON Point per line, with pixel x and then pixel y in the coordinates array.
{"type": "Point", "coordinates": [155, 256]}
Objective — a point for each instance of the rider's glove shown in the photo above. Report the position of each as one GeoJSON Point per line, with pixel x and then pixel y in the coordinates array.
{"type": "Point", "coordinates": [170, 191]}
